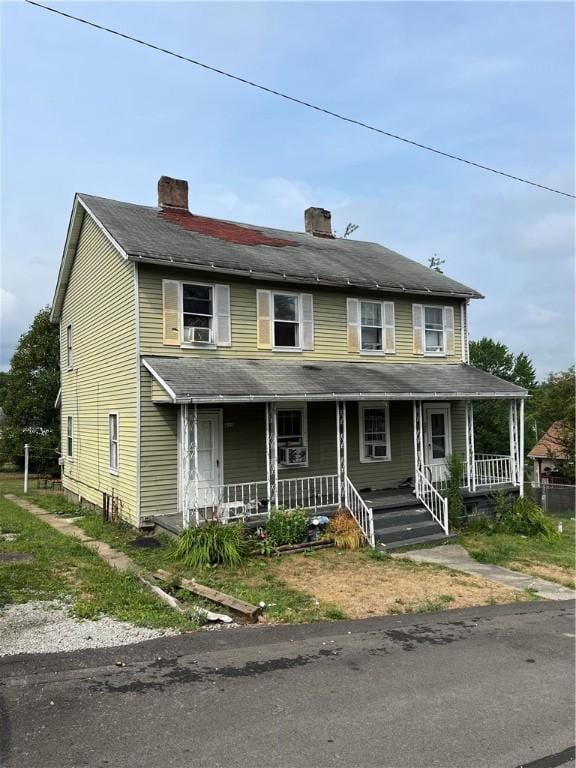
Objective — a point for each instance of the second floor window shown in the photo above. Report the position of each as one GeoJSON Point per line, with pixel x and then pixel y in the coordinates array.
{"type": "Point", "coordinates": [434, 329]}
{"type": "Point", "coordinates": [198, 313]}
{"type": "Point", "coordinates": [69, 359]}
{"type": "Point", "coordinates": [371, 325]}
{"type": "Point", "coordinates": [286, 320]}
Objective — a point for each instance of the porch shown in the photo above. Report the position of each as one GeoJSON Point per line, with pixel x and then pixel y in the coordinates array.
{"type": "Point", "coordinates": [240, 456]}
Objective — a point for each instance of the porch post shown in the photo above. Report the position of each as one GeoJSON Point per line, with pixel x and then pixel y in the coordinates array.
{"type": "Point", "coordinates": [195, 478]}
{"type": "Point", "coordinates": [513, 425]}
{"type": "Point", "coordinates": [185, 465]}
{"type": "Point", "coordinates": [342, 452]}
{"type": "Point", "coordinates": [418, 441]}
{"type": "Point", "coordinates": [470, 448]}
{"type": "Point", "coordinates": [521, 448]}
{"type": "Point", "coordinates": [271, 456]}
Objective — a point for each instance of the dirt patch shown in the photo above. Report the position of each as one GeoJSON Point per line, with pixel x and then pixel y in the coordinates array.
{"type": "Point", "coordinates": [362, 586]}
{"type": "Point", "coordinates": [556, 573]}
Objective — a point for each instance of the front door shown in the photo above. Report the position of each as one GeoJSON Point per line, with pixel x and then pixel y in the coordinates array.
{"type": "Point", "coordinates": [437, 441]}
{"type": "Point", "coordinates": [209, 457]}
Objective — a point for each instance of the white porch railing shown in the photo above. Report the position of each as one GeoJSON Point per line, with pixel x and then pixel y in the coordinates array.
{"type": "Point", "coordinates": [493, 469]}
{"type": "Point", "coordinates": [232, 501]}
{"type": "Point", "coordinates": [308, 492]}
{"type": "Point", "coordinates": [434, 502]}
{"type": "Point", "coordinates": [361, 512]}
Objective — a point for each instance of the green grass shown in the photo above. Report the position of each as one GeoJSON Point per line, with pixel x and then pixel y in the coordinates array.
{"type": "Point", "coordinates": [529, 551]}
{"type": "Point", "coordinates": [98, 589]}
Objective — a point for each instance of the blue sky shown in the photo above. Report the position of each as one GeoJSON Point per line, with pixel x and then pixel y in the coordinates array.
{"type": "Point", "coordinates": [85, 111]}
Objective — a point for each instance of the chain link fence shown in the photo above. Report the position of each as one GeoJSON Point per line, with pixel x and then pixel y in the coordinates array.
{"type": "Point", "coordinates": [554, 499]}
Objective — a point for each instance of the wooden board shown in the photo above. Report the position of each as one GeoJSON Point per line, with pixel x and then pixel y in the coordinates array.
{"type": "Point", "coordinates": [248, 611]}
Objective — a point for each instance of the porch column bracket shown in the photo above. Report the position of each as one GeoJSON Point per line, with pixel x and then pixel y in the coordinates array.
{"type": "Point", "coordinates": [271, 456]}
{"type": "Point", "coordinates": [194, 462]}
{"type": "Point", "coordinates": [341, 451]}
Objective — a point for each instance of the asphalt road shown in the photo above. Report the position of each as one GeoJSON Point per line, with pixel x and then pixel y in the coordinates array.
{"type": "Point", "coordinates": [489, 687]}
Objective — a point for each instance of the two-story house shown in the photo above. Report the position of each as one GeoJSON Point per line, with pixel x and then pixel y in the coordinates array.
{"type": "Point", "coordinates": [217, 368]}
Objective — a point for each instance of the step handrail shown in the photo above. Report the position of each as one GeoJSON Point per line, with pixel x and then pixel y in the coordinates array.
{"type": "Point", "coordinates": [360, 511]}
{"type": "Point", "coordinates": [434, 502]}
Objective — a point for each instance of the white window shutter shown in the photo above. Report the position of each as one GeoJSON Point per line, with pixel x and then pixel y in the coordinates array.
{"type": "Point", "coordinates": [389, 330]}
{"type": "Point", "coordinates": [264, 320]}
{"type": "Point", "coordinates": [449, 330]}
{"type": "Point", "coordinates": [222, 316]}
{"type": "Point", "coordinates": [171, 312]}
{"type": "Point", "coordinates": [307, 320]}
{"type": "Point", "coordinates": [418, 328]}
{"type": "Point", "coordinates": [353, 306]}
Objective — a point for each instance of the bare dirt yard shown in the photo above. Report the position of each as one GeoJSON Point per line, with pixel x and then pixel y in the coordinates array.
{"type": "Point", "coordinates": [361, 585]}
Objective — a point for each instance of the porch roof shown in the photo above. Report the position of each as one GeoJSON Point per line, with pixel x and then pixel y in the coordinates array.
{"type": "Point", "coordinates": [193, 380]}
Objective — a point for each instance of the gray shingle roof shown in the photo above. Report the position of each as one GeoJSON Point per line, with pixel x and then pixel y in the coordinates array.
{"type": "Point", "coordinates": [202, 380]}
{"type": "Point", "coordinates": [146, 233]}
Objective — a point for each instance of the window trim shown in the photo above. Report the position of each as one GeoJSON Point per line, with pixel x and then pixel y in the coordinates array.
{"type": "Point", "coordinates": [377, 352]}
{"type": "Point", "coordinates": [69, 348]}
{"type": "Point", "coordinates": [298, 322]}
{"type": "Point", "coordinates": [427, 353]}
{"type": "Point", "coordinates": [197, 344]}
{"type": "Point", "coordinates": [294, 406]}
{"type": "Point", "coordinates": [114, 470]}
{"type": "Point", "coordinates": [383, 405]}
{"type": "Point", "coordinates": [70, 438]}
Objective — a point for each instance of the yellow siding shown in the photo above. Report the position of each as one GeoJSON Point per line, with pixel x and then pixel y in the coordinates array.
{"type": "Point", "coordinates": [100, 304]}
{"type": "Point", "coordinates": [330, 320]}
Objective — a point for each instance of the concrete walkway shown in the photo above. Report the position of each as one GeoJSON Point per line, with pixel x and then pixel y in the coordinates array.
{"type": "Point", "coordinates": [113, 557]}
{"type": "Point", "coordinates": [456, 557]}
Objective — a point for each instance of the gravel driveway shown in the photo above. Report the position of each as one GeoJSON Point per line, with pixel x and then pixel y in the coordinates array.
{"type": "Point", "coordinates": [48, 627]}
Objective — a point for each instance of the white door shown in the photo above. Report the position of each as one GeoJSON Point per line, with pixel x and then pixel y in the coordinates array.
{"type": "Point", "coordinates": [209, 457]}
{"type": "Point", "coordinates": [437, 441]}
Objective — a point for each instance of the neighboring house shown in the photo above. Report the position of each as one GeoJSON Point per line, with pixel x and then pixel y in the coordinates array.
{"type": "Point", "coordinates": [549, 455]}
{"type": "Point", "coordinates": [216, 368]}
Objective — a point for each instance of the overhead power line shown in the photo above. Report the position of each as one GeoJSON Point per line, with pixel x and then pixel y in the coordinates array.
{"type": "Point", "coordinates": [298, 101]}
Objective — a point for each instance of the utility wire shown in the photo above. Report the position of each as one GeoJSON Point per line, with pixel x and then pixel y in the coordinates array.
{"type": "Point", "coordinates": [296, 100]}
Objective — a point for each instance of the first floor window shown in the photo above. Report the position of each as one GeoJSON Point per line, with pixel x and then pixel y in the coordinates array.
{"type": "Point", "coordinates": [291, 436]}
{"type": "Point", "coordinates": [374, 433]}
{"type": "Point", "coordinates": [371, 325]}
{"type": "Point", "coordinates": [197, 313]}
{"type": "Point", "coordinates": [70, 437]}
{"type": "Point", "coordinates": [286, 320]}
{"type": "Point", "coordinates": [113, 441]}
{"type": "Point", "coordinates": [434, 329]}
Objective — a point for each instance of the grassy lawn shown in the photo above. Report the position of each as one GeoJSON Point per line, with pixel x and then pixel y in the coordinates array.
{"type": "Point", "coordinates": [549, 559]}
{"type": "Point", "coordinates": [315, 586]}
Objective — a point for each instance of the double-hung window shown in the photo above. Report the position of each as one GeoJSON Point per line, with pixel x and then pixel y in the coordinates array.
{"type": "Point", "coordinates": [434, 330]}
{"type": "Point", "coordinates": [197, 313]}
{"type": "Point", "coordinates": [286, 320]}
{"type": "Point", "coordinates": [371, 326]}
{"type": "Point", "coordinates": [113, 441]}
{"type": "Point", "coordinates": [374, 432]}
{"type": "Point", "coordinates": [69, 357]}
{"type": "Point", "coordinates": [291, 436]}
{"type": "Point", "coordinates": [70, 437]}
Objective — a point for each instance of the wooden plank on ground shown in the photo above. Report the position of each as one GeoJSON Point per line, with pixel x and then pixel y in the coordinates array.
{"type": "Point", "coordinates": [248, 611]}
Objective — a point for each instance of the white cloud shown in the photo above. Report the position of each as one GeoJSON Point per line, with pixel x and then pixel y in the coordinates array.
{"type": "Point", "coordinates": [553, 230]}
{"type": "Point", "coordinates": [8, 302]}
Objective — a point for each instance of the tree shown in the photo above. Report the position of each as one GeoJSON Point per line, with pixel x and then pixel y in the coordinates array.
{"type": "Point", "coordinates": [32, 384]}
{"type": "Point", "coordinates": [3, 386]}
{"type": "Point", "coordinates": [434, 262]}
{"type": "Point", "coordinates": [491, 426]}
{"type": "Point", "coordinates": [555, 400]}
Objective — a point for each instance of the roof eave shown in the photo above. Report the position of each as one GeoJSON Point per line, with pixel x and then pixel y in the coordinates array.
{"type": "Point", "coordinates": [350, 396]}
{"type": "Point", "coordinates": [275, 276]}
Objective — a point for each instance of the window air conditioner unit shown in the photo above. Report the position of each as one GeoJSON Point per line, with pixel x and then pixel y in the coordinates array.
{"type": "Point", "coordinates": [293, 457]}
{"type": "Point", "coordinates": [197, 335]}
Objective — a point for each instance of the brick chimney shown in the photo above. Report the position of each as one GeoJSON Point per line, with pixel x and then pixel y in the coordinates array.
{"type": "Point", "coordinates": [318, 222]}
{"type": "Point", "coordinates": [172, 193]}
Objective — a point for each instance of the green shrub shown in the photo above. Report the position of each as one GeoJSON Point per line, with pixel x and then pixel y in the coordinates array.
{"type": "Point", "coordinates": [211, 544]}
{"type": "Point", "coordinates": [455, 467]}
{"type": "Point", "coordinates": [525, 517]}
{"type": "Point", "coordinates": [479, 524]}
{"type": "Point", "coordinates": [287, 526]}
